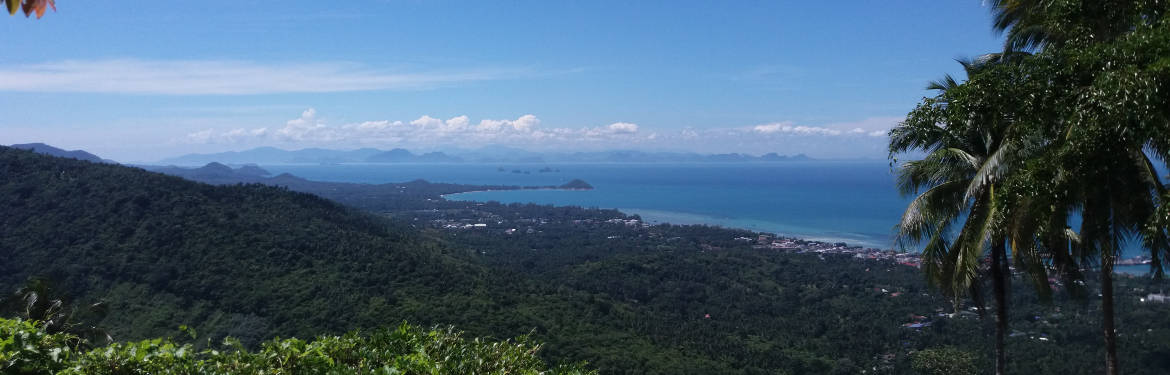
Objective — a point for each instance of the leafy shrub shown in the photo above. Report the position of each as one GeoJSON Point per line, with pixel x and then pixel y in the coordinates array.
{"type": "Point", "coordinates": [26, 348]}
{"type": "Point", "coordinates": [944, 361]}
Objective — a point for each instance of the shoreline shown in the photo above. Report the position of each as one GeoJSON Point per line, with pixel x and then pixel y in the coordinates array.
{"type": "Point", "coordinates": [444, 196]}
{"type": "Point", "coordinates": [666, 216]}
{"type": "Point", "coordinates": [850, 246]}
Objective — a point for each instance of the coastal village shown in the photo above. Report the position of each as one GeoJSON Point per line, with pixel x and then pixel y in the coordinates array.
{"type": "Point", "coordinates": [470, 219]}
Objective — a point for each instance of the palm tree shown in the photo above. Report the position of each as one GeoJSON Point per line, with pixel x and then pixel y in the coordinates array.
{"type": "Point", "coordinates": [1118, 195]}
{"type": "Point", "coordinates": [38, 300]}
{"type": "Point", "coordinates": [1038, 24]}
{"type": "Point", "coordinates": [1100, 161]}
{"type": "Point", "coordinates": [968, 152]}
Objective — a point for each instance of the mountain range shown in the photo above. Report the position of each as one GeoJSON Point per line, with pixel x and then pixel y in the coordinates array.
{"type": "Point", "coordinates": [495, 154]}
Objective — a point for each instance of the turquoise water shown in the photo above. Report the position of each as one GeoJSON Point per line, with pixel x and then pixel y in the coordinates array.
{"type": "Point", "coordinates": [847, 201]}
{"type": "Point", "coordinates": [853, 202]}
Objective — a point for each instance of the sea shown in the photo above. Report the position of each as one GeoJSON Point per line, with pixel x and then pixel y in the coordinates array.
{"type": "Point", "coordinates": [855, 202]}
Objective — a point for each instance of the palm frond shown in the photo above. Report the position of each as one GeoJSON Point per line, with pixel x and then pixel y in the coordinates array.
{"type": "Point", "coordinates": [940, 204]}
{"type": "Point", "coordinates": [990, 170]}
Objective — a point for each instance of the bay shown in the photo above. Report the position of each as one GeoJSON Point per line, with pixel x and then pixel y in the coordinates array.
{"type": "Point", "coordinates": [839, 201]}
{"type": "Point", "coordinates": [855, 202]}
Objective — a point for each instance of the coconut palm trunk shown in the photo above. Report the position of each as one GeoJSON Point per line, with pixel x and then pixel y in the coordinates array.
{"type": "Point", "coordinates": [1110, 332]}
{"type": "Point", "coordinates": [999, 276]}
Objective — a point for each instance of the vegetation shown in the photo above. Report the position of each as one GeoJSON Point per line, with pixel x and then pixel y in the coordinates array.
{"type": "Point", "coordinates": [30, 6]}
{"type": "Point", "coordinates": [257, 262]}
{"type": "Point", "coordinates": [944, 361]}
{"type": "Point", "coordinates": [39, 301]}
{"type": "Point", "coordinates": [1076, 127]}
{"type": "Point", "coordinates": [27, 348]}
{"type": "Point", "coordinates": [967, 153]}
{"type": "Point", "coordinates": [1065, 127]}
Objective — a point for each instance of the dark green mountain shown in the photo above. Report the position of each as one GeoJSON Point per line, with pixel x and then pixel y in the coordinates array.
{"type": "Point", "coordinates": [246, 260]}
{"type": "Point", "coordinates": [42, 148]}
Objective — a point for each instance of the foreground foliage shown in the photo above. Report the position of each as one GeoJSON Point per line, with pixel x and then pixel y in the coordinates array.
{"type": "Point", "coordinates": [944, 361]}
{"type": "Point", "coordinates": [27, 348]}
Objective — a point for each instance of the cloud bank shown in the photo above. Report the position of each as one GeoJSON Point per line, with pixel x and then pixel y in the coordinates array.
{"type": "Point", "coordinates": [215, 77]}
{"type": "Point", "coordinates": [864, 138]}
{"type": "Point", "coordinates": [309, 129]}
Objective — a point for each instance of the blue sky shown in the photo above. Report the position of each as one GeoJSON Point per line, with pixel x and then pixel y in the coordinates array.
{"type": "Point", "coordinates": [140, 81]}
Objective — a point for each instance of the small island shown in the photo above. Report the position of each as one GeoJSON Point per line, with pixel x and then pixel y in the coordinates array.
{"type": "Point", "coordinates": [576, 184]}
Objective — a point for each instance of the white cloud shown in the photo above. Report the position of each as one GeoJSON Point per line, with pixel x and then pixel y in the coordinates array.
{"type": "Point", "coordinates": [526, 123]}
{"type": "Point", "coordinates": [309, 129]}
{"type": "Point", "coordinates": [623, 128]}
{"type": "Point", "coordinates": [788, 128]}
{"type": "Point", "coordinates": [202, 136]}
{"type": "Point", "coordinates": [874, 127]}
{"type": "Point", "coordinates": [306, 128]}
{"type": "Point", "coordinates": [427, 122]}
{"type": "Point", "coordinates": [220, 77]}
{"type": "Point", "coordinates": [376, 125]}
{"type": "Point", "coordinates": [458, 123]}
{"type": "Point", "coordinates": [854, 139]}
{"type": "Point", "coordinates": [490, 125]}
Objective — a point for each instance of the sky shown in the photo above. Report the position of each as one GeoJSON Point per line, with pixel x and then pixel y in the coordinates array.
{"type": "Point", "coordinates": [141, 81]}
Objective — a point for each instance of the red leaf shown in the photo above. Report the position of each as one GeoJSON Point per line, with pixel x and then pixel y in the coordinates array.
{"type": "Point", "coordinates": [38, 6]}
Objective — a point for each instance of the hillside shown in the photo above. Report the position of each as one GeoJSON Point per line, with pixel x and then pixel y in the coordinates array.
{"type": "Point", "coordinates": [42, 148]}
{"type": "Point", "coordinates": [257, 262]}
{"type": "Point", "coordinates": [248, 261]}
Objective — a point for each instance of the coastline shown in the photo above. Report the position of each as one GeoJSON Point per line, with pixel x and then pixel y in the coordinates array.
{"type": "Point", "coordinates": [522, 188]}
{"type": "Point", "coordinates": [847, 244]}
{"type": "Point", "coordinates": [685, 218]}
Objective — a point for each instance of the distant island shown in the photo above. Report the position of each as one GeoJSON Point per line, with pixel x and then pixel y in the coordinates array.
{"type": "Point", "coordinates": [576, 184]}
{"type": "Point", "coordinates": [271, 155]}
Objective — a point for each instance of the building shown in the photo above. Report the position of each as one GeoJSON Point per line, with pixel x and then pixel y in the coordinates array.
{"type": "Point", "coordinates": [1156, 298]}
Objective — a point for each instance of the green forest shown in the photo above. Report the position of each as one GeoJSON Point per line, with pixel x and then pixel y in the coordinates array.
{"type": "Point", "coordinates": [254, 263]}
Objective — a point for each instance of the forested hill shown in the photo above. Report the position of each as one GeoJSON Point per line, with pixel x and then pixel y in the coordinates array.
{"type": "Point", "coordinates": [42, 148]}
{"type": "Point", "coordinates": [249, 261]}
